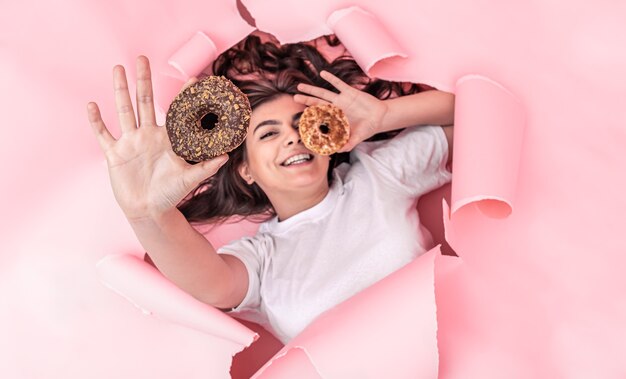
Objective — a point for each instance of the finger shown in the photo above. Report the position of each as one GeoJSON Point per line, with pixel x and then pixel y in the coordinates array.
{"type": "Point", "coordinates": [124, 106]}
{"type": "Point", "coordinates": [198, 172]}
{"type": "Point", "coordinates": [335, 81]}
{"type": "Point", "coordinates": [347, 147]}
{"type": "Point", "coordinates": [321, 93]}
{"type": "Point", "coordinates": [145, 97]}
{"type": "Point", "coordinates": [189, 82]}
{"type": "Point", "coordinates": [104, 137]}
{"type": "Point", "coordinates": [308, 100]}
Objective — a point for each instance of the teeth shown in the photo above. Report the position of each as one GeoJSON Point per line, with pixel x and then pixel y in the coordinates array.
{"type": "Point", "coordinates": [297, 159]}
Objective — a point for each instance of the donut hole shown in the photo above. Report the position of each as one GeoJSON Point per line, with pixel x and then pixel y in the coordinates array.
{"type": "Point", "coordinates": [324, 128]}
{"type": "Point", "coordinates": [208, 121]}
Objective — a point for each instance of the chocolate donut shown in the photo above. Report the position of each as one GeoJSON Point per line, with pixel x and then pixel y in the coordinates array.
{"type": "Point", "coordinates": [213, 95]}
{"type": "Point", "coordinates": [324, 128]}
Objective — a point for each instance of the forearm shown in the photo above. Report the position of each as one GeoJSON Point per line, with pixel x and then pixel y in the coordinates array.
{"type": "Point", "coordinates": [184, 256]}
{"type": "Point", "coordinates": [424, 108]}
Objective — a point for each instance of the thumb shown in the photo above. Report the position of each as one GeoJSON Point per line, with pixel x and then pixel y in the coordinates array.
{"type": "Point", "coordinates": [348, 146]}
{"type": "Point", "coordinates": [189, 82]}
{"type": "Point", "coordinates": [199, 172]}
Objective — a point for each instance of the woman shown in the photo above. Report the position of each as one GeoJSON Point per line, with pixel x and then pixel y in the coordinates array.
{"type": "Point", "coordinates": [329, 231]}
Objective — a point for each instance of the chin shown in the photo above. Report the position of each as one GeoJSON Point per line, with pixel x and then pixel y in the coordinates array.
{"type": "Point", "coordinates": [309, 181]}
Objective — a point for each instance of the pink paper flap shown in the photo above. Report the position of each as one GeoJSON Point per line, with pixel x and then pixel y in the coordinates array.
{"type": "Point", "coordinates": [353, 25]}
{"type": "Point", "coordinates": [145, 287]}
{"type": "Point", "coordinates": [194, 56]}
{"type": "Point", "coordinates": [489, 126]}
{"type": "Point", "coordinates": [390, 327]}
{"type": "Point", "coordinates": [288, 364]}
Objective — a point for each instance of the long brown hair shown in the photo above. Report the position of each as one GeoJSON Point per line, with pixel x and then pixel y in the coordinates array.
{"type": "Point", "coordinates": [264, 70]}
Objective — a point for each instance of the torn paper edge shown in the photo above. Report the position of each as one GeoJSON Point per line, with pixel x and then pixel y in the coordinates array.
{"type": "Point", "coordinates": [468, 77]}
{"type": "Point", "coordinates": [479, 198]}
{"type": "Point", "coordinates": [363, 52]}
{"type": "Point", "coordinates": [281, 355]}
{"type": "Point", "coordinates": [192, 57]}
{"type": "Point", "coordinates": [104, 262]}
{"type": "Point", "coordinates": [433, 289]}
{"type": "Point", "coordinates": [506, 204]}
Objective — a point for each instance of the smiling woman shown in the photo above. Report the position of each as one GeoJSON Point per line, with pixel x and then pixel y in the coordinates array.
{"type": "Point", "coordinates": [332, 225]}
{"type": "Point", "coordinates": [267, 70]}
{"type": "Point", "coordinates": [292, 177]}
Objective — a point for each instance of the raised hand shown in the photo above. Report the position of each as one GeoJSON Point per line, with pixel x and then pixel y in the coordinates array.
{"type": "Point", "coordinates": [147, 177]}
{"type": "Point", "coordinates": [364, 111]}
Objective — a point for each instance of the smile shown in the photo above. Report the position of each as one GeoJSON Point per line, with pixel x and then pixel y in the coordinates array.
{"type": "Point", "coordinates": [297, 159]}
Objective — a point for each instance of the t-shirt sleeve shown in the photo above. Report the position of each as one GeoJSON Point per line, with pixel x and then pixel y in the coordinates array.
{"type": "Point", "coordinates": [248, 250]}
{"type": "Point", "coordinates": [413, 162]}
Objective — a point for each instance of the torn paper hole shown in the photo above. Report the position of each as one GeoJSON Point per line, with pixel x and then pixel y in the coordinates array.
{"type": "Point", "coordinates": [488, 134]}
{"type": "Point", "coordinates": [352, 26]}
{"type": "Point", "coordinates": [387, 330]}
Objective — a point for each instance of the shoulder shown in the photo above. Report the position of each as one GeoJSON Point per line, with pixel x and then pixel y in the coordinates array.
{"type": "Point", "coordinates": [256, 245]}
{"type": "Point", "coordinates": [413, 162]}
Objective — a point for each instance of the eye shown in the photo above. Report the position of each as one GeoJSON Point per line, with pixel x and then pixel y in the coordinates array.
{"type": "Point", "coordinates": [268, 134]}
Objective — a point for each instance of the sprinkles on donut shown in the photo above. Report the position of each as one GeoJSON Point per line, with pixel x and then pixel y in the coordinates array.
{"type": "Point", "coordinates": [211, 97]}
{"type": "Point", "coordinates": [324, 128]}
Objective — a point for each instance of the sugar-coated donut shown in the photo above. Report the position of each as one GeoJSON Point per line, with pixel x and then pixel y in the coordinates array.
{"type": "Point", "coordinates": [324, 128]}
{"type": "Point", "coordinates": [211, 95]}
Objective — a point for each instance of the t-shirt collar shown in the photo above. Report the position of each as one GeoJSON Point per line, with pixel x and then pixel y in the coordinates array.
{"type": "Point", "coordinates": [315, 212]}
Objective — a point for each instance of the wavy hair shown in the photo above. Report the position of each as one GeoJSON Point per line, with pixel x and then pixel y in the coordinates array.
{"type": "Point", "coordinates": [264, 70]}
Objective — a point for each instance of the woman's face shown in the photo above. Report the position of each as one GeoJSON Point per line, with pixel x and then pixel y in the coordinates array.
{"type": "Point", "coordinates": [276, 158]}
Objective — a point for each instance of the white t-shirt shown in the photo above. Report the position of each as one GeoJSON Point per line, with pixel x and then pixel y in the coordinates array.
{"type": "Point", "coordinates": [365, 228]}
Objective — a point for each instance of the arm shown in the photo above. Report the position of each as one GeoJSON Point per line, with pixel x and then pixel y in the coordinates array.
{"type": "Point", "coordinates": [186, 258]}
{"type": "Point", "coordinates": [148, 180]}
{"type": "Point", "coordinates": [424, 108]}
{"type": "Point", "coordinates": [369, 115]}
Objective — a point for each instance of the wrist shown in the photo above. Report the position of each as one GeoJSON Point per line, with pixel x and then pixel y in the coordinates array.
{"type": "Point", "coordinates": [423, 108]}
{"type": "Point", "coordinates": [152, 216]}
{"type": "Point", "coordinates": [380, 122]}
{"type": "Point", "coordinates": [387, 120]}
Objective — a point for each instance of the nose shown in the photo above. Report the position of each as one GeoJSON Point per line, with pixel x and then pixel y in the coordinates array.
{"type": "Point", "coordinates": [293, 136]}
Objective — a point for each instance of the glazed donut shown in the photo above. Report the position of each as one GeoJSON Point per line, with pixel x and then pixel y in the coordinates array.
{"type": "Point", "coordinates": [324, 128]}
{"type": "Point", "coordinates": [214, 95]}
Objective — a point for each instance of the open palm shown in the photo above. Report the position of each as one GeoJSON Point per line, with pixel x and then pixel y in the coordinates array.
{"type": "Point", "coordinates": [147, 177]}
{"type": "Point", "coordinates": [364, 111]}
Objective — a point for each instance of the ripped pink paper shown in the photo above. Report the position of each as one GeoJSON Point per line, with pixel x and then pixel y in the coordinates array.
{"type": "Point", "coordinates": [537, 294]}
{"type": "Point", "coordinates": [194, 56]}
{"type": "Point", "coordinates": [144, 286]}
{"type": "Point", "coordinates": [489, 128]}
{"type": "Point", "coordinates": [353, 25]}
{"type": "Point", "coordinates": [390, 328]}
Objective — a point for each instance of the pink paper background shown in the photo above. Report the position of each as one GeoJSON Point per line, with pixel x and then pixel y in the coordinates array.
{"type": "Point", "coordinates": [537, 294]}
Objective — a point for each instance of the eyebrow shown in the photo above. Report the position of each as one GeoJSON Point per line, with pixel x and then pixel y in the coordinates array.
{"type": "Point", "coordinates": [294, 119]}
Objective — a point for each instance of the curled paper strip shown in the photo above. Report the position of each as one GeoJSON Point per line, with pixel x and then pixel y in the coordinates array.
{"type": "Point", "coordinates": [352, 26]}
{"type": "Point", "coordinates": [145, 287]}
{"type": "Point", "coordinates": [194, 56]}
{"type": "Point", "coordinates": [188, 61]}
{"type": "Point", "coordinates": [390, 327]}
{"type": "Point", "coordinates": [488, 134]}
{"type": "Point", "coordinates": [198, 52]}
